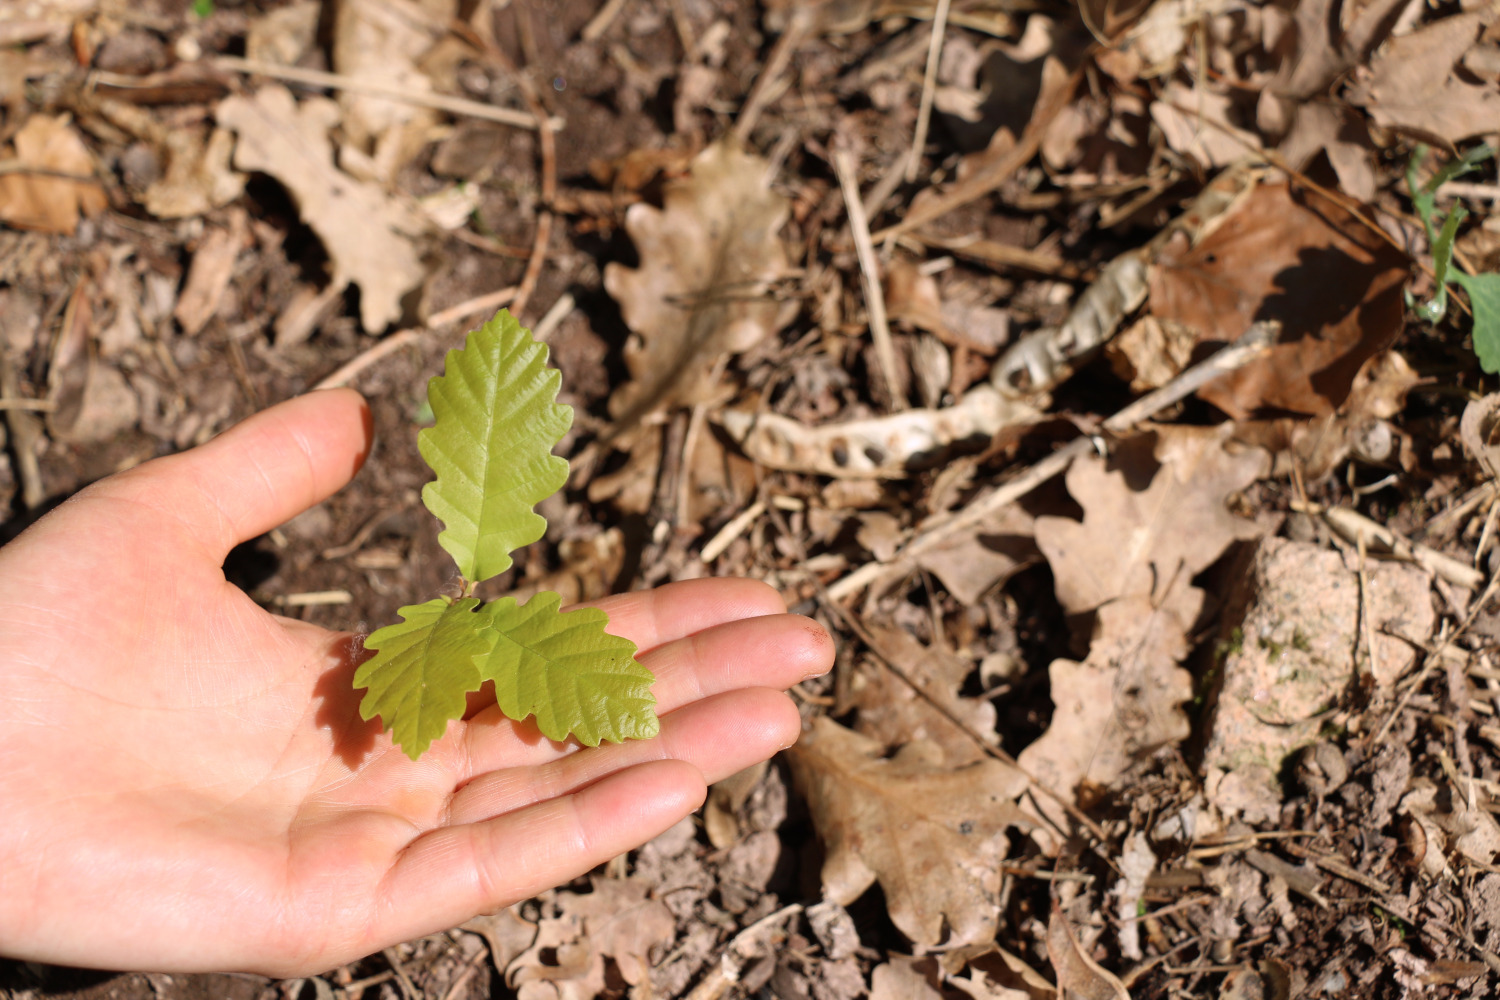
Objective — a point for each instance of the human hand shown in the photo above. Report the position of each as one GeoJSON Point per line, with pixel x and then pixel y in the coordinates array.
{"type": "Point", "coordinates": [185, 778]}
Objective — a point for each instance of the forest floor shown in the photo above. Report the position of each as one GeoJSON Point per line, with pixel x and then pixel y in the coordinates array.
{"type": "Point", "coordinates": [1189, 697]}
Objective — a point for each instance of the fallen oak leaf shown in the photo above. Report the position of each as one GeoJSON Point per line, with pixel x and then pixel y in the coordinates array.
{"type": "Point", "coordinates": [55, 184]}
{"type": "Point", "coordinates": [365, 233]}
{"type": "Point", "coordinates": [1411, 84]}
{"type": "Point", "coordinates": [707, 258]}
{"type": "Point", "coordinates": [933, 835]}
{"type": "Point", "coordinates": [1131, 561]}
{"type": "Point", "coordinates": [1298, 258]}
{"type": "Point", "coordinates": [1136, 540]}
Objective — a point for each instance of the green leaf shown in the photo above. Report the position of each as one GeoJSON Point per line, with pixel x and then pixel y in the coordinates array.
{"type": "Point", "coordinates": [1442, 258]}
{"type": "Point", "coordinates": [425, 666]}
{"type": "Point", "coordinates": [566, 670]}
{"type": "Point", "coordinates": [497, 421]}
{"type": "Point", "coordinates": [1484, 299]}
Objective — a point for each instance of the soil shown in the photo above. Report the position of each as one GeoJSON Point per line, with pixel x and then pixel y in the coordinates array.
{"type": "Point", "coordinates": [375, 547]}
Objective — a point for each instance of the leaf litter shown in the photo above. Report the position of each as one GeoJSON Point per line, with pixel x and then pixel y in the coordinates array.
{"type": "Point", "coordinates": [1206, 707]}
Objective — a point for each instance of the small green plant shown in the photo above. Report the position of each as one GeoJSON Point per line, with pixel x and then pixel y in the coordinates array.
{"type": "Point", "coordinates": [203, 9]}
{"type": "Point", "coordinates": [496, 422]}
{"type": "Point", "coordinates": [1483, 289]}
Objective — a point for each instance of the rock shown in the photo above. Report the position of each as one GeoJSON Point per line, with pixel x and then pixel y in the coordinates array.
{"type": "Point", "coordinates": [1290, 636]}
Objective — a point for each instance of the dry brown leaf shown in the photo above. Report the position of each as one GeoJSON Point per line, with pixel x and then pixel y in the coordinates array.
{"type": "Point", "coordinates": [559, 965]}
{"type": "Point", "coordinates": [284, 35]}
{"type": "Point", "coordinates": [707, 258]}
{"type": "Point", "coordinates": [1079, 977]}
{"type": "Point", "coordinates": [507, 934]}
{"type": "Point", "coordinates": [1147, 540]}
{"type": "Point", "coordinates": [383, 41]}
{"type": "Point", "coordinates": [199, 178]}
{"type": "Point", "coordinates": [50, 204]}
{"type": "Point", "coordinates": [1411, 84]}
{"type": "Point", "coordinates": [1293, 257]}
{"type": "Point", "coordinates": [364, 232]}
{"type": "Point", "coordinates": [209, 273]}
{"type": "Point", "coordinates": [1200, 122]}
{"type": "Point", "coordinates": [620, 920]}
{"type": "Point", "coordinates": [975, 561]}
{"type": "Point", "coordinates": [933, 835]}
{"type": "Point", "coordinates": [1316, 52]}
{"type": "Point", "coordinates": [1131, 561]}
{"type": "Point", "coordinates": [891, 713]}
{"type": "Point", "coordinates": [904, 978]}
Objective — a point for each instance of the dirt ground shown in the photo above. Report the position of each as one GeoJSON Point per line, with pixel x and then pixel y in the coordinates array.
{"type": "Point", "coordinates": [1195, 699]}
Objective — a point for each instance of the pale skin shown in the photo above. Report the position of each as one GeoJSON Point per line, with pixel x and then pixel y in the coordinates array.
{"type": "Point", "coordinates": [187, 784]}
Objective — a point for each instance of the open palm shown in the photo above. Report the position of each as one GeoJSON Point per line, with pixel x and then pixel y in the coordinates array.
{"type": "Point", "coordinates": [185, 778]}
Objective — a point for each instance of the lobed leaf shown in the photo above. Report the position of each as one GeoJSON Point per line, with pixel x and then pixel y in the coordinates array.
{"type": "Point", "coordinates": [497, 420]}
{"type": "Point", "coordinates": [566, 670]}
{"type": "Point", "coordinates": [1484, 299]}
{"type": "Point", "coordinates": [425, 666]}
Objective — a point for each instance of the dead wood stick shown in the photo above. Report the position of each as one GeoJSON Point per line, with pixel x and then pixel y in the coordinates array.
{"type": "Point", "coordinates": [1353, 527]}
{"type": "Point", "coordinates": [357, 85]}
{"type": "Point", "coordinates": [869, 269]}
{"type": "Point", "coordinates": [1254, 343]}
{"type": "Point", "coordinates": [25, 431]}
{"type": "Point", "coordinates": [600, 22]}
{"type": "Point", "coordinates": [347, 372]}
{"type": "Point", "coordinates": [790, 41]}
{"type": "Point", "coordinates": [929, 88]}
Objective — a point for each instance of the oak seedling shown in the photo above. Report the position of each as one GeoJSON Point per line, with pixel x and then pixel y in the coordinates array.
{"type": "Point", "coordinates": [497, 420]}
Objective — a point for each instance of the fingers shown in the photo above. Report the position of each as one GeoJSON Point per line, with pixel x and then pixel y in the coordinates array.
{"type": "Point", "coordinates": [450, 874]}
{"type": "Point", "coordinates": [770, 651]}
{"type": "Point", "coordinates": [254, 476]}
{"type": "Point", "coordinates": [776, 651]}
{"type": "Point", "coordinates": [719, 737]}
{"type": "Point", "coordinates": [652, 617]}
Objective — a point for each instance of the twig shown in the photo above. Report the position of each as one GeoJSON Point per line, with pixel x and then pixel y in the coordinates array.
{"type": "Point", "coordinates": [357, 85]}
{"type": "Point", "coordinates": [1368, 629]}
{"type": "Point", "coordinates": [600, 22]}
{"type": "Point", "coordinates": [25, 431]}
{"type": "Point", "coordinates": [1432, 659]}
{"type": "Point", "coordinates": [1352, 526]}
{"type": "Point", "coordinates": [727, 972]}
{"type": "Point", "coordinates": [791, 39]}
{"type": "Point", "coordinates": [869, 268]}
{"type": "Point", "coordinates": [734, 529]}
{"type": "Point", "coordinates": [312, 598]}
{"type": "Point", "coordinates": [351, 369]}
{"type": "Point", "coordinates": [407, 986]}
{"type": "Point", "coordinates": [929, 87]}
{"type": "Point", "coordinates": [1254, 343]}
{"type": "Point", "coordinates": [552, 319]}
{"type": "Point", "coordinates": [389, 345]}
{"type": "Point", "coordinates": [24, 403]}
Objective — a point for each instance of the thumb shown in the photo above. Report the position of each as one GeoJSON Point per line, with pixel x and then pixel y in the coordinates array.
{"type": "Point", "coordinates": [254, 476]}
